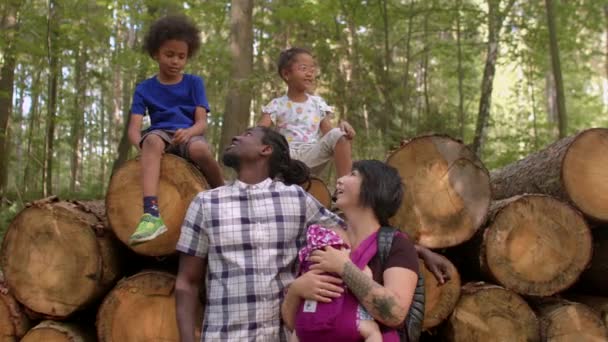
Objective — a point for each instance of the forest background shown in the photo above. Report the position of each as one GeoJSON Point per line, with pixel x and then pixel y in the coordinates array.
{"type": "Point", "coordinates": [507, 77]}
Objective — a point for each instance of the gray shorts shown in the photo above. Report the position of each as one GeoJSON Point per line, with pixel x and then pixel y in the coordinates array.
{"type": "Point", "coordinates": [178, 149]}
{"type": "Point", "coordinates": [316, 155]}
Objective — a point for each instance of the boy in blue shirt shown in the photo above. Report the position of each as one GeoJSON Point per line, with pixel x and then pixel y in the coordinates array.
{"type": "Point", "coordinates": [177, 106]}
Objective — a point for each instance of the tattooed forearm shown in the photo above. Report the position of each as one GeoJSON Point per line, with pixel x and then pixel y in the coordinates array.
{"type": "Point", "coordinates": [375, 298]}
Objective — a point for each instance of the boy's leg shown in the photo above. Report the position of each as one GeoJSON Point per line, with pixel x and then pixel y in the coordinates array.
{"type": "Point", "coordinates": [150, 225]}
{"type": "Point", "coordinates": [199, 151]}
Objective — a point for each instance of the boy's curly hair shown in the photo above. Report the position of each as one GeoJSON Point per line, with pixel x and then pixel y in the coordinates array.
{"type": "Point", "coordinates": [287, 57]}
{"type": "Point", "coordinates": [172, 27]}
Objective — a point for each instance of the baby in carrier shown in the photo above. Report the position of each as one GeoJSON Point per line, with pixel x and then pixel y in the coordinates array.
{"type": "Point", "coordinates": [314, 319]}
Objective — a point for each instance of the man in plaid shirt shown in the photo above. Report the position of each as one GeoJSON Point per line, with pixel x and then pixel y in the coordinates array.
{"type": "Point", "coordinates": [248, 233]}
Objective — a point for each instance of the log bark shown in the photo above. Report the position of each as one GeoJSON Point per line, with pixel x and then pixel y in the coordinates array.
{"type": "Point", "coordinates": [572, 169]}
{"type": "Point", "coordinates": [597, 304]}
{"type": "Point", "coordinates": [58, 257]}
{"type": "Point", "coordinates": [562, 321]}
{"type": "Point", "coordinates": [145, 301]}
{"type": "Point", "coordinates": [13, 321]}
{"type": "Point", "coordinates": [317, 188]}
{"type": "Point", "coordinates": [594, 279]}
{"type": "Point", "coordinates": [440, 300]}
{"type": "Point", "coordinates": [491, 313]}
{"type": "Point", "coordinates": [534, 245]}
{"type": "Point", "coordinates": [447, 190]}
{"type": "Point", "coordinates": [51, 331]}
{"type": "Point", "coordinates": [178, 185]}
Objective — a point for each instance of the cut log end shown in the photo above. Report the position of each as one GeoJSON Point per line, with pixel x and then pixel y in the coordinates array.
{"type": "Point", "coordinates": [317, 188]}
{"type": "Point", "coordinates": [584, 173]}
{"type": "Point", "coordinates": [54, 256]}
{"type": "Point", "coordinates": [447, 191]}
{"type": "Point", "coordinates": [51, 331]}
{"type": "Point", "coordinates": [178, 184]}
{"type": "Point", "coordinates": [568, 321]}
{"type": "Point", "coordinates": [491, 313]}
{"type": "Point", "coordinates": [536, 245]}
{"type": "Point", "coordinates": [13, 321]}
{"type": "Point", "coordinates": [440, 300]}
{"type": "Point", "coordinates": [146, 301]}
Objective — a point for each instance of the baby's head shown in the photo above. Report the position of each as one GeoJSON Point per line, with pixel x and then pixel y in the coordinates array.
{"type": "Point", "coordinates": [297, 68]}
{"type": "Point", "coordinates": [173, 36]}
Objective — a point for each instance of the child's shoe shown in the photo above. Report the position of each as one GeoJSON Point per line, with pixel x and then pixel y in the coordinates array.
{"type": "Point", "coordinates": [149, 227]}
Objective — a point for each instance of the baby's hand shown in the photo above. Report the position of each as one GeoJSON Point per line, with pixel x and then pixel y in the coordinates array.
{"type": "Point", "coordinates": [347, 129]}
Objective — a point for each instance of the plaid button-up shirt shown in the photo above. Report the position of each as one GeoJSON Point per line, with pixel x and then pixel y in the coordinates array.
{"type": "Point", "coordinates": [250, 235]}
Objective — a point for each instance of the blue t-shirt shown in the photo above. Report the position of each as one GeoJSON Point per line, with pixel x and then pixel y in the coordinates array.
{"type": "Point", "coordinates": [170, 106]}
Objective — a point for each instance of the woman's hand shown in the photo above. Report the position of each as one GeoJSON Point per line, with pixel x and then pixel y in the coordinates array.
{"type": "Point", "coordinates": [317, 286]}
{"type": "Point", "coordinates": [330, 260]}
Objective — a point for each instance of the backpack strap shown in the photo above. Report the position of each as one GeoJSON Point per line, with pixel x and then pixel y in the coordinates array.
{"type": "Point", "coordinates": [415, 315]}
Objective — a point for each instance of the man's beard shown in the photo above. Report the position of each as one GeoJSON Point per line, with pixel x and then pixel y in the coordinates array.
{"type": "Point", "coordinates": [231, 160]}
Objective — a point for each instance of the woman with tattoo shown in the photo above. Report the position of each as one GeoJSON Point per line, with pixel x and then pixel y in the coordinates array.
{"type": "Point", "coordinates": [368, 196]}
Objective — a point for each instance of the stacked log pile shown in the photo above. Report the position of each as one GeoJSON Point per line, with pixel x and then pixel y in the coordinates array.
{"type": "Point", "coordinates": [526, 244]}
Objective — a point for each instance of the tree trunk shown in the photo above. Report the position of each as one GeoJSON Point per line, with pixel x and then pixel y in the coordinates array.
{"type": "Point", "coordinates": [53, 60]}
{"type": "Point", "coordinates": [238, 100]}
{"type": "Point", "coordinates": [178, 184]}
{"type": "Point", "coordinates": [534, 245]}
{"type": "Point", "coordinates": [58, 257]}
{"type": "Point", "coordinates": [122, 310]}
{"type": "Point", "coordinates": [53, 331]}
{"type": "Point", "coordinates": [32, 127]}
{"type": "Point", "coordinates": [491, 313]}
{"type": "Point", "coordinates": [557, 70]}
{"type": "Point", "coordinates": [594, 279]}
{"type": "Point", "coordinates": [407, 111]}
{"type": "Point", "coordinates": [562, 321]}
{"type": "Point", "coordinates": [13, 321]}
{"type": "Point", "coordinates": [425, 66]}
{"type": "Point", "coordinates": [77, 127]}
{"type": "Point", "coordinates": [7, 78]}
{"type": "Point", "coordinates": [495, 20]}
{"type": "Point", "coordinates": [439, 299]}
{"type": "Point", "coordinates": [447, 190]}
{"type": "Point", "coordinates": [460, 71]}
{"type": "Point", "coordinates": [571, 169]}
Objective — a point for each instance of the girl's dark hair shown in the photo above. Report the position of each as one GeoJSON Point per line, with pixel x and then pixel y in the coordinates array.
{"type": "Point", "coordinates": [172, 27]}
{"type": "Point", "coordinates": [290, 170]}
{"type": "Point", "coordinates": [287, 56]}
{"type": "Point", "coordinates": [381, 188]}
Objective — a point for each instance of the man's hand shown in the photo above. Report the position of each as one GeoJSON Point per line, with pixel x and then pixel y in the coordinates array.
{"type": "Point", "coordinates": [436, 263]}
{"type": "Point", "coordinates": [182, 136]}
{"type": "Point", "coordinates": [347, 129]}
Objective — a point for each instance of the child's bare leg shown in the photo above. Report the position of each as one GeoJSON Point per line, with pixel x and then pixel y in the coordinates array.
{"type": "Point", "coordinates": [369, 330]}
{"type": "Point", "coordinates": [342, 157]}
{"type": "Point", "coordinates": [151, 153]}
{"type": "Point", "coordinates": [200, 153]}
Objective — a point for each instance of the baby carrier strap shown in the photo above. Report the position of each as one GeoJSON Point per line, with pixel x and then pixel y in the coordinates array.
{"type": "Point", "coordinates": [415, 316]}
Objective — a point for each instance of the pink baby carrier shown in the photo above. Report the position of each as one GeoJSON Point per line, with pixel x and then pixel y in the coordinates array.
{"type": "Point", "coordinates": [337, 320]}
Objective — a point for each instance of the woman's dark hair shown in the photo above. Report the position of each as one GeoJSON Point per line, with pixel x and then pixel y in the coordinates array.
{"type": "Point", "coordinates": [381, 188]}
{"type": "Point", "coordinates": [290, 170]}
{"type": "Point", "coordinates": [172, 27]}
{"type": "Point", "coordinates": [287, 56]}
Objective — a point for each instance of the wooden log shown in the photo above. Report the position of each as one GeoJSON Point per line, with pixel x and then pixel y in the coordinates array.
{"type": "Point", "coordinates": [594, 279]}
{"type": "Point", "coordinates": [58, 257]}
{"type": "Point", "coordinates": [447, 190]}
{"type": "Point", "coordinates": [597, 304]}
{"type": "Point", "coordinates": [52, 331]}
{"type": "Point", "coordinates": [179, 182]}
{"type": "Point", "coordinates": [13, 321]}
{"type": "Point", "coordinates": [491, 313]}
{"type": "Point", "coordinates": [534, 245]}
{"type": "Point", "coordinates": [317, 188]}
{"type": "Point", "coordinates": [571, 169]}
{"type": "Point", "coordinates": [562, 321]}
{"type": "Point", "coordinates": [141, 308]}
{"type": "Point", "coordinates": [440, 300]}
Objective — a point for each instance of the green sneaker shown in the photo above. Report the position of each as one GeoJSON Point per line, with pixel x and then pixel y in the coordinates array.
{"type": "Point", "coordinates": [149, 227]}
